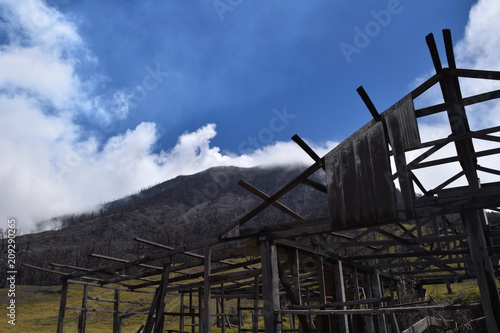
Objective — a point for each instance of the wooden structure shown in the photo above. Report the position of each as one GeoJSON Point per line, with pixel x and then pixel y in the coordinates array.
{"type": "Point", "coordinates": [342, 272]}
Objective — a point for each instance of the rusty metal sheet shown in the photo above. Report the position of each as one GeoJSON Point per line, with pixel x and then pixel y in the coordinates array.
{"type": "Point", "coordinates": [360, 190]}
{"type": "Point", "coordinates": [402, 124]}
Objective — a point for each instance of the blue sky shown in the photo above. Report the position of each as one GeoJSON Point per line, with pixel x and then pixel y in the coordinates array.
{"type": "Point", "coordinates": [99, 99]}
{"type": "Point", "coordinates": [232, 65]}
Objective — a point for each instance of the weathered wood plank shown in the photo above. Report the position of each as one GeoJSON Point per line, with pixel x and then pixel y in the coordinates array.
{"type": "Point", "coordinates": [376, 311]}
{"type": "Point", "coordinates": [401, 123]}
{"type": "Point", "coordinates": [270, 287]}
{"type": "Point", "coordinates": [206, 328]}
{"type": "Point", "coordinates": [82, 320]}
{"type": "Point", "coordinates": [360, 191]}
{"type": "Point", "coordinates": [62, 306]}
{"type": "Point", "coordinates": [117, 325]}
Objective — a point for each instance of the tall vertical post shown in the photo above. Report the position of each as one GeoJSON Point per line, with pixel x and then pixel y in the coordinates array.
{"type": "Point", "coordinates": [191, 309]}
{"type": "Point", "coordinates": [116, 315]}
{"type": "Point", "coordinates": [82, 320]}
{"type": "Point", "coordinates": [255, 312]}
{"type": "Point", "coordinates": [340, 293]}
{"type": "Point", "coordinates": [200, 310]}
{"type": "Point", "coordinates": [270, 286]}
{"type": "Point", "coordinates": [181, 321]}
{"type": "Point", "coordinates": [155, 319]}
{"type": "Point", "coordinates": [223, 309]}
{"type": "Point", "coordinates": [325, 320]}
{"type": "Point", "coordinates": [483, 269]}
{"type": "Point", "coordinates": [205, 316]}
{"type": "Point", "coordinates": [298, 288]}
{"type": "Point", "coordinates": [472, 218]}
{"type": "Point", "coordinates": [378, 291]}
{"type": "Point", "coordinates": [240, 315]}
{"type": "Point", "coordinates": [452, 95]}
{"type": "Point", "coordinates": [62, 306]}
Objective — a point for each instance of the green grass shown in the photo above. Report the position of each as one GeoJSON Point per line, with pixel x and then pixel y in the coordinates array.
{"type": "Point", "coordinates": [37, 310]}
{"type": "Point", "coordinates": [466, 292]}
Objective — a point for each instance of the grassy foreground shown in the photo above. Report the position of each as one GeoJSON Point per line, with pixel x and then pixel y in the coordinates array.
{"type": "Point", "coordinates": [37, 307]}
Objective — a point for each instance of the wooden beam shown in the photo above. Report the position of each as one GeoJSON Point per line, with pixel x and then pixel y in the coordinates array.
{"type": "Point", "coordinates": [325, 320]}
{"type": "Point", "coordinates": [340, 293]}
{"type": "Point", "coordinates": [82, 320]}
{"type": "Point", "coordinates": [100, 256]}
{"type": "Point", "coordinates": [409, 254]}
{"type": "Point", "coordinates": [473, 73]}
{"type": "Point", "coordinates": [387, 310]}
{"type": "Point", "coordinates": [281, 192]}
{"type": "Point", "coordinates": [270, 286]}
{"type": "Point", "coordinates": [483, 269]}
{"type": "Point", "coordinates": [369, 104]}
{"type": "Point", "coordinates": [298, 140]}
{"type": "Point", "coordinates": [264, 196]}
{"type": "Point", "coordinates": [117, 325]}
{"type": "Point", "coordinates": [62, 305]}
{"type": "Point", "coordinates": [431, 44]}
{"type": "Point", "coordinates": [378, 292]}
{"type": "Point", "coordinates": [46, 270]}
{"type": "Point", "coordinates": [448, 45]}
{"type": "Point", "coordinates": [206, 316]}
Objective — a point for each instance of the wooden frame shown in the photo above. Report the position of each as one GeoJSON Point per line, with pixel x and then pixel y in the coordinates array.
{"type": "Point", "coordinates": [367, 245]}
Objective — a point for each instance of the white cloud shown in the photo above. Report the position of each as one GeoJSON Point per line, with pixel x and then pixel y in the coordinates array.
{"type": "Point", "coordinates": [51, 165]}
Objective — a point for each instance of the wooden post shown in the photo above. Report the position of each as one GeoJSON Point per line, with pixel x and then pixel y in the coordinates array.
{"type": "Point", "coordinates": [356, 285]}
{"type": "Point", "coordinates": [205, 316]}
{"type": "Point", "coordinates": [392, 316]}
{"type": "Point", "coordinates": [452, 95]}
{"type": "Point", "coordinates": [181, 321]}
{"type": "Point", "coordinates": [156, 313]}
{"type": "Point", "coordinates": [255, 312]}
{"type": "Point", "coordinates": [377, 291]}
{"type": "Point", "coordinates": [82, 321]}
{"type": "Point", "coordinates": [270, 286]}
{"type": "Point", "coordinates": [200, 309]}
{"type": "Point", "coordinates": [62, 306]}
{"type": "Point", "coordinates": [191, 309]}
{"type": "Point", "coordinates": [296, 283]}
{"type": "Point", "coordinates": [160, 317]}
{"type": "Point", "coordinates": [217, 313]}
{"type": "Point", "coordinates": [296, 274]}
{"type": "Point", "coordinates": [483, 269]}
{"type": "Point", "coordinates": [116, 315]}
{"type": "Point", "coordinates": [325, 320]}
{"type": "Point", "coordinates": [223, 309]}
{"type": "Point", "coordinates": [240, 315]}
{"type": "Point", "coordinates": [367, 289]}
{"type": "Point", "coordinates": [340, 293]}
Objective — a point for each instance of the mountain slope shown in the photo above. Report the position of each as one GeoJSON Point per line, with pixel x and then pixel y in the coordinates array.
{"type": "Point", "coordinates": [180, 211]}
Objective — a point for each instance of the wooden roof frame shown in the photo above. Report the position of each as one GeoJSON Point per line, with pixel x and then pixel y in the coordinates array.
{"type": "Point", "coordinates": [471, 249]}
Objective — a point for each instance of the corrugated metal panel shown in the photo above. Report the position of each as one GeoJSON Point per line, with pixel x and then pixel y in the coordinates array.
{"type": "Point", "coordinates": [360, 191]}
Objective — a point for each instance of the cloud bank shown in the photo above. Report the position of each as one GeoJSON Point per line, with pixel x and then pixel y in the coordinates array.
{"type": "Point", "coordinates": [54, 164]}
